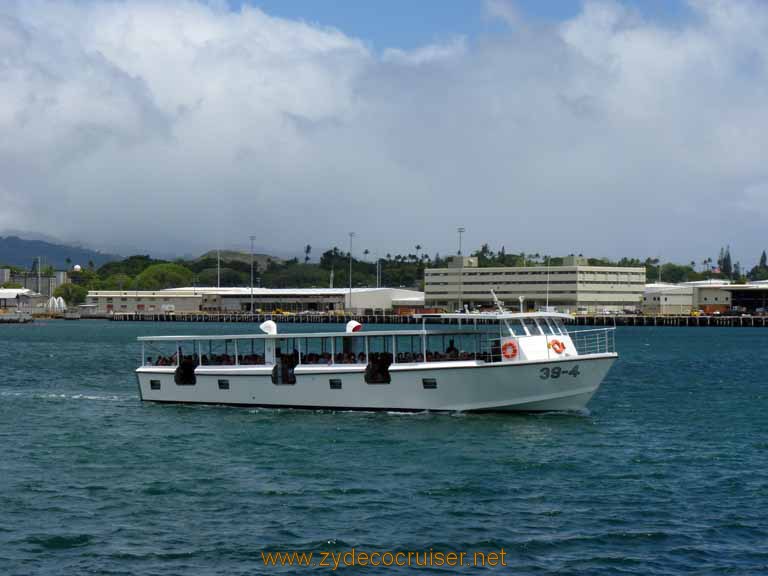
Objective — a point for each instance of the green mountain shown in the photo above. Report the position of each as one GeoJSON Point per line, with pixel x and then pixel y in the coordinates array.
{"type": "Point", "coordinates": [15, 251]}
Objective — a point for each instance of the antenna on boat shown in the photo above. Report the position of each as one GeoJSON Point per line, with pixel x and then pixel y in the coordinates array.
{"type": "Point", "coordinates": [500, 306]}
{"type": "Point", "coordinates": [499, 303]}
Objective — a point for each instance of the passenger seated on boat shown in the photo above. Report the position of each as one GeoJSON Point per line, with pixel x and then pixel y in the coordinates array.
{"type": "Point", "coordinates": [149, 360]}
{"type": "Point", "coordinates": [361, 358]}
{"type": "Point", "coordinates": [452, 351]}
{"type": "Point", "coordinates": [377, 370]}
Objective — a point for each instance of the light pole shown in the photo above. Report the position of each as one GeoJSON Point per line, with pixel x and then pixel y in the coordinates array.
{"type": "Point", "coordinates": [351, 235]}
{"type": "Point", "coordinates": [461, 231]}
{"type": "Point", "coordinates": [252, 237]}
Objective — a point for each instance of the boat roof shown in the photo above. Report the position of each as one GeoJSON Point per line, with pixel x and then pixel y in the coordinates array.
{"type": "Point", "coordinates": [496, 315]}
{"type": "Point", "coordinates": [286, 335]}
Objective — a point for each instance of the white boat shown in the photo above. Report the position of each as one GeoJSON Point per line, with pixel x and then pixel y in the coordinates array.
{"type": "Point", "coordinates": [483, 362]}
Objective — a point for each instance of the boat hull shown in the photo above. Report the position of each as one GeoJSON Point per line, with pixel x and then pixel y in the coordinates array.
{"type": "Point", "coordinates": [552, 385]}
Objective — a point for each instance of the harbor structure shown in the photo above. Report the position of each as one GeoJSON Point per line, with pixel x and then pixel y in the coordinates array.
{"type": "Point", "coordinates": [707, 296]}
{"type": "Point", "coordinates": [19, 299]}
{"type": "Point", "coordinates": [572, 287]}
{"type": "Point", "coordinates": [35, 281]}
{"type": "Point", "coordinates": [751, 298]}
{"type": "Point", "coordinates": [265, 300]}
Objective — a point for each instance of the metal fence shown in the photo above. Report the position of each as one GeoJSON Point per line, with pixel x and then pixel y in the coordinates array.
{"type": "Point", "coordinates": [594, 341]}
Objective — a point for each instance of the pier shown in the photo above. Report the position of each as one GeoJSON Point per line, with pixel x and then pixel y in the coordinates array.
{"type": "Point", "coordinates": [580, 320]}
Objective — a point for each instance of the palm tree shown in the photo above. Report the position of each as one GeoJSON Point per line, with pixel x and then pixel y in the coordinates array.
{"type": "Point", "coordinates": [307, 250]}
{"type": "Point", "coordinates": [365, 253]}
{"type": "Point", "coordinates": [418, 249]}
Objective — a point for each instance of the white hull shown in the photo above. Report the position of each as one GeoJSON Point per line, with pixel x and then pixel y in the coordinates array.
{"type": "Point", "coordinates": [458, 386]}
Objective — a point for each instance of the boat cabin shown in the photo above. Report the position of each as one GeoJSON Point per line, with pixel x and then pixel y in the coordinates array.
{"type": "Point", "coordinates": [472, 339]}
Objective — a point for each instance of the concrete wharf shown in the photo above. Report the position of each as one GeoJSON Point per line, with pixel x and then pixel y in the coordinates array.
{"type": "Point", "coordinates": [580, 320]}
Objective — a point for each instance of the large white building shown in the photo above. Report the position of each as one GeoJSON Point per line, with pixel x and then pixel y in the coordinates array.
{"type": "Point", "coordinates": [232, 300]}
{"type": "Point", "coordinates": [573, 287]}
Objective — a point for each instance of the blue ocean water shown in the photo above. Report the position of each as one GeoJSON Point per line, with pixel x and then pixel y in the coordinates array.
{"type": "Point", "coordinates": [666, 474]}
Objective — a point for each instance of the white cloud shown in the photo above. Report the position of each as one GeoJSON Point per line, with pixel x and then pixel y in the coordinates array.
{"type": "Point", "coordinates": [178, 124]}
{"type": "Point", "coordinates": [429, 54]}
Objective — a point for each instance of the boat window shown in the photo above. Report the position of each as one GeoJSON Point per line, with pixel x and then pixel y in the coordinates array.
{"type": "Point", "coordinates": [316, 351]}
{"type": "Point", "coordinates": [560, 326]}
{"type": "Point", "coordinates": [154, 384]}
{"type": "Point", "coordinates": [517, 327]}
{"type": "Point", "coordinates": [335, 383]}
{"type": "Point", "coordinates": [533, 328]}
{"type": "Point", "coordinates": [218, 353]}
{"type": "Point", "coordinates": [161, 354]}
{"type": "Point", "coordinates": [545, 327]}
{"type": "Point", "coordinates": [429, 383]}
{"type": "Point", "coordinates": [349, 350]}
{"type": "Point", "coordinates": [408, 349]}
{"type": "Point", "coordinates": [452, 347]}
{"type": "Point", "coordinates": [250, 352]}
{"type": "Point", "coordinates": [223, 384]}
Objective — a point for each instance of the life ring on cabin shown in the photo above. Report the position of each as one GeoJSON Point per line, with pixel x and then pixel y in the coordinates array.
{"type": "Point", "coordinates": [509, 350]}
{"type": "Point", "coordinates": [557, 346]}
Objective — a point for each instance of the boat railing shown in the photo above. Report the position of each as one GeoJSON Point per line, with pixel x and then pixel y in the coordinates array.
{"type": "Point", "coordinates": [594, 341]}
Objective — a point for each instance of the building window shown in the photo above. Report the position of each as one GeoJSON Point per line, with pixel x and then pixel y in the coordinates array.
{"type": "Point", "coordinates": [335, 383]}
{"type": "Point", "coordinates": [223, 384]}
{"type": "Point", "coordinates": [429, 383]}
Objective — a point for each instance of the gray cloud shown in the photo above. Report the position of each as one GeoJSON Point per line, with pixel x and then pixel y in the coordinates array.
{"type": "Point", "coordinates": [179, 125]}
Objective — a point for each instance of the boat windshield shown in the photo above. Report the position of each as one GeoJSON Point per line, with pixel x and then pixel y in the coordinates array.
{"type": "Point", "coordinates": [515, 327]}
{"type": "Point", "coordinates": [533, 328]}
{"type": "Point", "coordinates": [558, 323]}
{"type": "Point", "coordinates": [546, 327]}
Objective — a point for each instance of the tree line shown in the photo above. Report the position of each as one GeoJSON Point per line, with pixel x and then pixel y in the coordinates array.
{"type": "Point", "coordinates": [142, 272]}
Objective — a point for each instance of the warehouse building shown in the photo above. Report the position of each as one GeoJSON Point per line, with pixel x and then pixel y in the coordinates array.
{"type": "Point", "coordinates": [749, 298]}
{"type": "Point", "coordinates": [709, 296]}
{"type": "Point", "coordinates": [266, 300]}
{"type": "Point", "coordinates": [573, 287]}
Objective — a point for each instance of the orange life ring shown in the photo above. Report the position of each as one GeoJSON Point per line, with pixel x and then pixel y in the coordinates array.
{"type": "Point", "coordinates": [509, 350]}
{"type": "Point", "coordinates": [557, 346]}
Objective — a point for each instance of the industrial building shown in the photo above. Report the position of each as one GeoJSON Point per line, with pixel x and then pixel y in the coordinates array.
{"type": "Point", "coordinates": [573, 287]}
{"type": "Point", "coordinates": [709, 296]}
{"type": "Point", "coordinates": [44, 284]}
{"type": "Point", "coordinates": [16, 299]}
{"type": "Point", "coordinates": [266, 300]}
{"type": "Point", "coordinates": [749, 298]}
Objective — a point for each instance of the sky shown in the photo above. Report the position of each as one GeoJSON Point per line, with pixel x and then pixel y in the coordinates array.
{"type": "Point", "coordinates": [601, 127]}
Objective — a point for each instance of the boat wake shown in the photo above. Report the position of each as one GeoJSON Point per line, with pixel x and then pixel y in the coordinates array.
{"type": "Point", "coordinates": [38, 395]}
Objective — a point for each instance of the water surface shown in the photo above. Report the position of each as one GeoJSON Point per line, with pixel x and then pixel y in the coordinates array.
{"type": "Point", "coordinates": [666, 474]}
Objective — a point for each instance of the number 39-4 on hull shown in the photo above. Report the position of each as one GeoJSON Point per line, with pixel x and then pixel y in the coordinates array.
{"type": "Point", "coordinates": [483, 362]}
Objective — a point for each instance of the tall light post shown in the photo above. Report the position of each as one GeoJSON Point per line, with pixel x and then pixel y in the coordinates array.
{"type": "Point", "coordinates": [351, 236]}
{"type": "Point", "coordinates": [252, 237]}
{"type": "Point", "coordinates": [461, 231]}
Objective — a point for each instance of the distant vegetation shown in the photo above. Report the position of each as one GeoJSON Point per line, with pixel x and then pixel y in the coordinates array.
{"type": "Point", "coordinates": [141, 272]}
{"type": "Point", "coordinates": [146, 273]}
